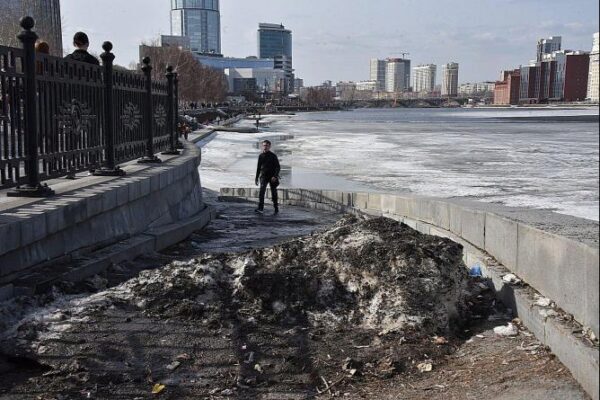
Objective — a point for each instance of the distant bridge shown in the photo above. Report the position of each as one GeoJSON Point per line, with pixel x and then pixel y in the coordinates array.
{"type": "Point", "coordinates": [413, 103]}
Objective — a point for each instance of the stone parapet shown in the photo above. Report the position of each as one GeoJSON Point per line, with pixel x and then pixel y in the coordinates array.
{"type": "Point", "coordinates": [94, 212]}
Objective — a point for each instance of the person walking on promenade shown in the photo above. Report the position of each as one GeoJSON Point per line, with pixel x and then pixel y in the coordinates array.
{"type": "Point", "coordinates": [267, 174]}
{"type": "Point", "coordinates": [82, 42]}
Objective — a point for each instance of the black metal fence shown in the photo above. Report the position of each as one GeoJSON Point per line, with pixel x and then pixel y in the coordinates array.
{"type": "Point", "coordinates": [59, 117]}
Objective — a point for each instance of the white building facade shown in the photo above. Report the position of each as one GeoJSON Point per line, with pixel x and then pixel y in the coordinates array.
{"type": "Point", "coordinates": [365, 86]}
{"type": "Point", "coordinates": [378, 72]}
{"type": "Point", "coordinates": [424, 78]}
{"type": "Point", "coordinates": [397, 76]}
{"type": "Point", "coordinates": [450, 79]}
{"type": "Point", "coordinates": [594, 75]}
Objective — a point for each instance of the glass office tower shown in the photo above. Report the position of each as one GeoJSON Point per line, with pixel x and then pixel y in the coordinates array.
{"type": "Point", "coordinates": [275, 42]}
{"type": "Point", "coordinates": [200, 21]}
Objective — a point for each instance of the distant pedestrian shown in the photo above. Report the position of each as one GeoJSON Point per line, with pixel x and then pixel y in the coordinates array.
{"type": "Point", "coordinates": [82, 43]}
{"type": "Point", "coordinates": [184, 130]}
{"type": "Point", "coordinates": [42, 47]}
{"type": "Point", "coordinates": [267, 174]}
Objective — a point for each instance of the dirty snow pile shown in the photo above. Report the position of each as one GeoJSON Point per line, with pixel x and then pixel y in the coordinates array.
{"type": "Point", "coordinates": [376, 274]}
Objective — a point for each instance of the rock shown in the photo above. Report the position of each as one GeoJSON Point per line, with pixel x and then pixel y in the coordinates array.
{"type": "Point", "coordinates": [511, 279]}
{"type": "Point", "coordinates": [440, 340]}
{"type": "Point", "coordinates": [425, 367]}
{"type": "Point", "coordinates": [173, 366]}
{"type": "Point", "coordinates": [507, 331]}
{"type": "Point", "coordinates": [352, 366]}
{"type": "Point", "coordinates": [543, 301]}
{"type": "Point", "coordinates": [548, 313]}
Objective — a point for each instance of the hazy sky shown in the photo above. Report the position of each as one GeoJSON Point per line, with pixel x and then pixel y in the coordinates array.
{"type": "Point", "coordinates": [335, 39]}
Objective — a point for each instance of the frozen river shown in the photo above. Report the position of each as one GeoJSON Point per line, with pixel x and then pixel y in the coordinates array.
{"type": "Point", "coordinates": [532, 158]}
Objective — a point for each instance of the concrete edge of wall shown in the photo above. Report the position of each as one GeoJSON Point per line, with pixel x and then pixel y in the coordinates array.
{"type": "Point", "coordinates": [482, 234]}
{"type": "Point", "coordinates": [153, 240]}
{"type": "Point", "coordinates": [47, 229]}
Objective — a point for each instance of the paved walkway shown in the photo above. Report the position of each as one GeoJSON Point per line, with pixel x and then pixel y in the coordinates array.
{"type": "Point", "coordinates": [238, 228]}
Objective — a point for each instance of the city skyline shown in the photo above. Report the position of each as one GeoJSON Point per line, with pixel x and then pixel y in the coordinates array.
{"type": "Point", "coordinates": [325, 49]}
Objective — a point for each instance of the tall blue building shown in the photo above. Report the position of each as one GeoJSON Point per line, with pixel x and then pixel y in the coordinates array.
{"type": "Point", "coordinates": [200, 21]}
{"type": "Point", "coordinates": [274, 41]}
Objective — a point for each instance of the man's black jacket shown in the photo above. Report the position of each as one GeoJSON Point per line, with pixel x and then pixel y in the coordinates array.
{"type": "Point", "coordinates": [268, 166]}
{"type": "Point", "coordinates": [83, 56]}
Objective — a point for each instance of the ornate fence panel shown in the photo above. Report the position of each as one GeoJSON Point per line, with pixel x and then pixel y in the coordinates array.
{"type": "Point", "coordinates": [12, 134]}
{"type": "Point", "coordinates": [160, 106]}
{"type": "Point", "coordinates": [128, 105]}
{"type": "Point", "coordinates": [59, 116]}
{"type": "Point", "coordinates": [70, 104]}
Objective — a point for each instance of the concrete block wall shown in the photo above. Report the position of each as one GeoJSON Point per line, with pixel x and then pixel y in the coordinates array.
{"type": "Point", "coordinates": [116, 209]}
{"type": "Point", "coordinates": [561, 269]}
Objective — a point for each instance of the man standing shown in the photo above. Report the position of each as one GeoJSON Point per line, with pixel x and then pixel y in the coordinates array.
{"type": "Point", "coordinates": [81, 42]}
{"type": "Point", "coordinates": [267, 173]}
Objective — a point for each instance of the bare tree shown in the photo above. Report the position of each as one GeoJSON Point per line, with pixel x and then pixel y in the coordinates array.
{"type": "Point", "coordinates": [318, 96]}
{"type": "Point", "coordinates": [196, 81]}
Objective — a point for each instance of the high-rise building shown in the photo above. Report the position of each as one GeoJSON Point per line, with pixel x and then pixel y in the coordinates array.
{"type": "Point", "coordinates": [594, 73]}
{"type": "Point", "coordinates": [424, 78]}
{"type": "Point", "coordinates": [200, 21]}
{"type": "Point", "coordinates": [548, 46]}
{"type": "Point", "coordinates": [274, 41]}
{"type": "Point", "coordinates": [569, 72]}
{"type": "Point", "coordinates": [397, 75]}
{"type": "Point", "coordinates": [47, 22]}
{"type": "Point", "coordinates": [560, 76]}
{"type": "Point", "coordinates": [506, 91]}
{"type": "Point", "coordinates": [378, 70]}
{"type": "Point", "coordinates": [450, 80]}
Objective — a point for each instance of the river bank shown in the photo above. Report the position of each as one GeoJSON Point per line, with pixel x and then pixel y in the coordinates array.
{"type": "Point", "coordinates": [202, 320]}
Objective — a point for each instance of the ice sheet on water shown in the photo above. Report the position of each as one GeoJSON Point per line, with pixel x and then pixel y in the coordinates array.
{"type": "Point", "coordinates": [442, 153]}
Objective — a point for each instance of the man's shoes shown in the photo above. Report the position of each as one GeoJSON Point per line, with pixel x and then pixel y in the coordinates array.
{"type": "Point", "coordinates": [259, 211]}
{"type": "Point", "coordinates": [276, 211]}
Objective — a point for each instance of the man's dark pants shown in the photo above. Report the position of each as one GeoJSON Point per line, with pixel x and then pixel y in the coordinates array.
{"type": "Point", "coordinates": [264, 182]}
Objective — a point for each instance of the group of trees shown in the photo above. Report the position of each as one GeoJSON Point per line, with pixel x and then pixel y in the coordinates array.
{"type": "Point", "coordinates": [197, 83]}
{"type": "Point", "coordinates": [318, 96]}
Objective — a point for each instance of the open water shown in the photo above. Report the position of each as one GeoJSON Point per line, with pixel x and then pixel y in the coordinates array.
{"type": "Point", "coordinates": [542, 158]}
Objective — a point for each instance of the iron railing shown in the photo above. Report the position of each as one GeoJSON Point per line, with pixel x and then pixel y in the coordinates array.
{"type": "Point", "coordinates": [59, 117]}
